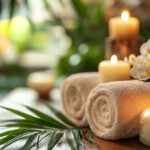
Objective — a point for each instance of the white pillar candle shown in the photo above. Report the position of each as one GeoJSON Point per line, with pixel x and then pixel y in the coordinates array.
{"type": "Point", "coordinates": [144, 134]}
{"type": "Point", "coordinates": [124, 27]}
{"type": "Point", "coordinates": [114, 70]}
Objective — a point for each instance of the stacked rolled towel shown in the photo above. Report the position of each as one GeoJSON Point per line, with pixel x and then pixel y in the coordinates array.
{"type": "Point", "coordinates": [113, 109]}
{"type": "Point", "coordinates": [75, 91]}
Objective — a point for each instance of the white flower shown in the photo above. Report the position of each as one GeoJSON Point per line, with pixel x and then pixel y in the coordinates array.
{"type": "Point", "coordinates": [145, 48]}
{"type": "Point", "coordinates": [141, 67]}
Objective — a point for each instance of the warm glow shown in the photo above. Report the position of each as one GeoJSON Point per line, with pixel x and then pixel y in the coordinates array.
{"type": "Point", "coordinates": [113, 59]}
{"type": "Point", "coordinates": [125, 15]}
{"type": "Point", "coordinates": [146, 113]}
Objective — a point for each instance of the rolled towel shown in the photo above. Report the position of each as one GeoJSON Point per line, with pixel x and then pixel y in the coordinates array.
{"type": "Point", "coordinates": [75, 91]}
{"type": "Point", "coordinates": [113, 109]}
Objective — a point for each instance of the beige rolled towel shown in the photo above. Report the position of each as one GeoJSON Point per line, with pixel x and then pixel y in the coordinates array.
{"type": "Point", "coordinates": [113, 109]}
{"type": "Point", "coordinates": [75, 91]}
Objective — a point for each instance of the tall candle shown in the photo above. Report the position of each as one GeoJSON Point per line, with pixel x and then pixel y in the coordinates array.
{"type": "Point", "coordinates": [114, 70]}
{"type": "Point", "coordinates": [124, 27]}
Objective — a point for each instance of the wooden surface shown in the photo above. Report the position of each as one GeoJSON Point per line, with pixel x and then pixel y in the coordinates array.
{"type": "Point", "coordinates": [128, 144]}
{"type": "Point", "coordinates": [27, 96]}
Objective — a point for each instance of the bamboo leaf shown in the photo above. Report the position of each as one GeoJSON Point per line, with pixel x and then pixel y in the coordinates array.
{"type": "Point", "coordinates": [54, 140]}
{"type": "Point", "coordinates": [46, 117]}
{"type": "Point", "coordinates": [59, 115]}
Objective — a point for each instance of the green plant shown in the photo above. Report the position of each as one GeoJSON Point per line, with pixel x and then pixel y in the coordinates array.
{"type": "Point", "coordinates": [88, 26]}
{"type": "Point", "coordinates": [38, 128]}
{"type": "Point", "coordinates": [90, 30]}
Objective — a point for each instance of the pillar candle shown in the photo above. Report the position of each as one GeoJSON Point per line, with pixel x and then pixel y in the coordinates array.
{"type": "Point", "coordinates": [144, 134]}
{"type": "Point", "coordinates": [114, 70]}
{"type": "Point", "coordinates": [124, 27]}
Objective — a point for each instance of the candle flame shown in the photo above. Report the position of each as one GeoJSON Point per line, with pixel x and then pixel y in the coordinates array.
{"type": "Point", "coordinates": [113, 59]}
{"type": "Point", "coordinates": [125, 15]}
{"type": "Point", "coordinates": [146, 113]}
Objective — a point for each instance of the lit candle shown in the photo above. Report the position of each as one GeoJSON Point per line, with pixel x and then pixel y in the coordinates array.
{"type": "Point", "coordinates": [42, 82]}
{"type": "Point", "coordinates": [124, 26]}
{"type": "Point", "coordinates": [144, 134]}
{"type": "Point", "coordinates": [114, 70]}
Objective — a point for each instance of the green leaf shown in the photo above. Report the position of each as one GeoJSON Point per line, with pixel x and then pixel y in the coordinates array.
{"type": "Point", "coordinates": [8, 132]}
{"type": "Point", "coordinates": [54, 140]}
{"type": "Point", "coordinates": [38, 141]}
{"type": "Point", "coordinates": [46, 118]}
{"type": "Point", "coordinates": [19, 113]}
{"type": "Point", "coordinates": [34, 130]}
{"type": "Point", "coordinates": [13, 140]}
{"type": "Point", "coordinates": [59, 115]}
{"type": "Point", "coordinates": [26, 126]}
{"type": "Point", "coordinates": [29, 143]}
{"type": "Point", "coordinates": [41, 138]}
{"type": "Point", "coordinates": [78, 139]}
{"type": "Point", "coordinates": [83, 133]}
{"type": "Point", "coordinates": [12, 7]}
{"type": "Point", "coordinates": [51, 123]}
{"type": "Point", "coordinates": [12, 136]}
{"type": "Point", "coordinates": [79, 7]}
{"type": "Point", "coordinates": [25, 122]}
{"type": "Point", "coordinates": [71, 141]}
{"type": "Point", "coordinates": [21, 123]}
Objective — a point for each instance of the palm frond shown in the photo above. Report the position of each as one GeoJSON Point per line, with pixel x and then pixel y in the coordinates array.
{"type": "Point", "coordinates": [34, 130]}
{"type": "Point", "coordinates": [45, 117]}
{"type": "Point", "coordinates": [54, 140]}
{"type": "Point", "coordinates": [59, 115]}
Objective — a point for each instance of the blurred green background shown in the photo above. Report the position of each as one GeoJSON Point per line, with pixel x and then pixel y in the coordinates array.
{"type": "Point", "coordinates": [63, 36]}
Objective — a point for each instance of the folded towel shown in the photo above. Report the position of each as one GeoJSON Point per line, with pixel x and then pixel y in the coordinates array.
{"type": "Point", "coordinates": [75, 91]}
{"type": "Point", "coordinates": [113, 109]}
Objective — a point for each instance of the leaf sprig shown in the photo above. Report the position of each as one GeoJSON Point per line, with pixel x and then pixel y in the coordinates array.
{"type": "Point", "coordinates": [41, 128]}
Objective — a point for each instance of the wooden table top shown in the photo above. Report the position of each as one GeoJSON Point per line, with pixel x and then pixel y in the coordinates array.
{"type": "Point", "coordinates": [128, 144]}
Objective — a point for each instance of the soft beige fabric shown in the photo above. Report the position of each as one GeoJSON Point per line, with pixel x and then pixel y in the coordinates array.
{"type": "Point", "coordinates": [113, 109]}
{"type": "Point", "coordinates": [75, 91]}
